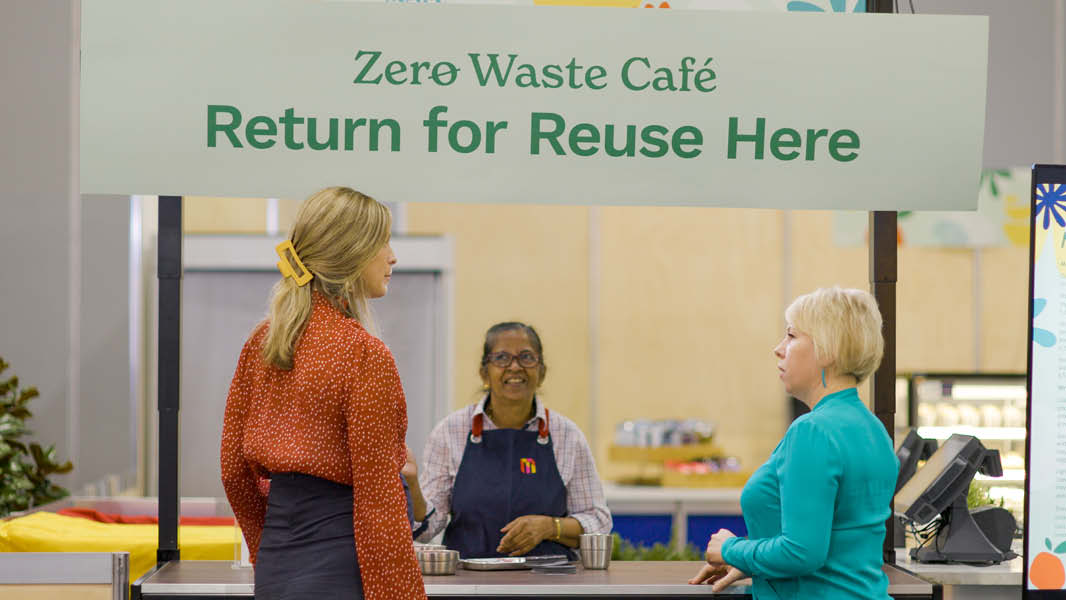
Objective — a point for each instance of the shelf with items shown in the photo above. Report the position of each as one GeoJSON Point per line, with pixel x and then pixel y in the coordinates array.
{"type": "Point", "coordinates": [662, 453]}
{"type": "Point", "coordinates": [673, 477]}
{"type": "Point", "coordinates": [673, 453]}
{"type": "Point", "coordinates": [1009, 476]}
{"type": "Point", "coordinates": [982, 433]}
{"type": "Point", "coordinates": [993, 404]}
{"type": "Point", "coordinates": [988, 406]}
{"type": "Point", "coordinates": [700, 465]}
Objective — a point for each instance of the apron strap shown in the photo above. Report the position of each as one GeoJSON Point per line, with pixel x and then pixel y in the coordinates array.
{"type": "Point", "coordinates": [475, 431]}
{"type": "Point", "coordinates": [542, 430]}
{"type": "Point", "coordinates": [479, 426]}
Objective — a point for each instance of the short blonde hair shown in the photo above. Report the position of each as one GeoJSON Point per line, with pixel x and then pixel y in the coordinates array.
{"type": "Point", "coordinates": [337, 233]}
{"type": "Point", "coordinates": [845, 326]}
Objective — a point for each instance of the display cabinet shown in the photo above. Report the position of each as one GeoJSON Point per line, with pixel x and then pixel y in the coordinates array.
{"type": "Point", "coordinates": [989, 406]}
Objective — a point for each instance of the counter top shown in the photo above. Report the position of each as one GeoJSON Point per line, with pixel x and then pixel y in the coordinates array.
{"type": "Point", "coordinates": [632, 579]}
{"type": "Point", "coordinates": [1007, 573]}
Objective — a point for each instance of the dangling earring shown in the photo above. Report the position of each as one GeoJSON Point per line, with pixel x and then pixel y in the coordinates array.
{"type": "Point", "coordinates": [823, 378]}
{"type": "Point", "coordinates": [484, 387]}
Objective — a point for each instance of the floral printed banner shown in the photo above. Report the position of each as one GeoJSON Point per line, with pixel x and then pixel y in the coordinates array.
{"type": "Point", "coordinates": [1001, 218]}
{"type": "Point", "coordinates": [1046, 478]}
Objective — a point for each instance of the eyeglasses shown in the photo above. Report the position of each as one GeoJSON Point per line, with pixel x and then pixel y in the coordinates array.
{"type": "Point", "coordinates": [503, 360]}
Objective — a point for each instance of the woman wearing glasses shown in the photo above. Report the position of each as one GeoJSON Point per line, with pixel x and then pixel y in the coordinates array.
{"type": "Point", "coordinates": [506, 476]}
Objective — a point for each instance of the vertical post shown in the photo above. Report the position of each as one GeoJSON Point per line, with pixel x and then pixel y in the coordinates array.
{"type": "Point", "coordinates": [879, 6]}
{"type": "Point", "coordinates": [170, 273]}
{"type": "Point", "coordinates": [883, 287]}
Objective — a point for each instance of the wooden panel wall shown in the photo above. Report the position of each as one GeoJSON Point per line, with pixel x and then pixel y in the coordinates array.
{"type": "Point", "coordinates": [690, 304]}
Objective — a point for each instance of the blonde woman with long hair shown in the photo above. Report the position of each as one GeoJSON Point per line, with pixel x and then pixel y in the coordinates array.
{"type": "Point", "coordinates": [317, 409]}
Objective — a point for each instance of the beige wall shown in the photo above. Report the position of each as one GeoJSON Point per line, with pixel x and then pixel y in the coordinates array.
{"type": "Point", "coordinates": [690, 303]}
{"type": "Point", "coordinates": [524, 263]}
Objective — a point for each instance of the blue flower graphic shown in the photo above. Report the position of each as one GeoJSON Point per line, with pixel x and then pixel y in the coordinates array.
{"type": "Point", "coordinates": [837, 6]}
{"type": "Point", "coordinates": [1041, 336]}
{"type": "Point", "coordinates": [1051, 200]}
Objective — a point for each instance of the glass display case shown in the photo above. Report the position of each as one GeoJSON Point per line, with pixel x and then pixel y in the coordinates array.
{"type": "Point", "coordinates": [989, 406]}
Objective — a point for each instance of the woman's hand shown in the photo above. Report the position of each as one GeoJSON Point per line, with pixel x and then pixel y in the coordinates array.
{"type": "Point", "coordinates": [707, 572]}
{"type": "Point", "coordinates": [714, 547]}
{"type": "Point", "coordinates": [410, 468]}
{"type": "Point", "coordinates": [524, 533]}
{"type": "Point", "coordinates": [410, 474]}
{"type": "Point", "coordinates": [720, 576]}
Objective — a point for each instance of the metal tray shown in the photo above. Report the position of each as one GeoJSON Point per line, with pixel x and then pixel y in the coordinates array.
{"type": "Point", "coordinates": [510, 563]}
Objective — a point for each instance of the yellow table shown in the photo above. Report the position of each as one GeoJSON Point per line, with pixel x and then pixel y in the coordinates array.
{"type": "Point", "coordinates": [49, 532]}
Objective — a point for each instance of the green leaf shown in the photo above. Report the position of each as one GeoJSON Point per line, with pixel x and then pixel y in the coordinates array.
{"type": "Point", "coordinates": [1060, 548]}
{"type": "Point", "coordinates": [28, 394]}
{"type": "Point", "coordinates": [11, 426]}
{"type": "Point", "coordinates": [24, 467]}
{"type": "Point", "coordinates": [992, 186]}
{"type": "Point", "coordinates": [38, 455]}
{"type": "Point", "coordinates": [1047, 542]}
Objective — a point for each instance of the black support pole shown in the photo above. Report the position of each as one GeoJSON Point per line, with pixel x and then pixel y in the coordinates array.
{"type": "Point", "coordinates": [170, 271]}
{"type": "Point", "coordinates": [883, 287]}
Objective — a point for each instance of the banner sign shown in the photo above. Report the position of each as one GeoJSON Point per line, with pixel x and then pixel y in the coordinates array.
{"type": "Point", "coordinates": [544, 105]}
{"type": "Point", "coordinates": [1045, 453]}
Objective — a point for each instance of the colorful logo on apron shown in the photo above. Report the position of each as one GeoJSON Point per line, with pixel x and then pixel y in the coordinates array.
{"type": "Point", "coordinates": [528, 466]}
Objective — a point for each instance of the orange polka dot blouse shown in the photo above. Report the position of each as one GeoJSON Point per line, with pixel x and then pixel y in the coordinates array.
{"type": "Point", "coordinates": [338, 414]}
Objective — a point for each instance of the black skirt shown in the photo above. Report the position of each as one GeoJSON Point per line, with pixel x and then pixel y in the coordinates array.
{"type": "Point", "coordinates": [308, 544]}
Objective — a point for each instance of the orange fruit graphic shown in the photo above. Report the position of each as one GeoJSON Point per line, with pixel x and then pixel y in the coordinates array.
{"type": "Point", "coordinates": [1047, 572]}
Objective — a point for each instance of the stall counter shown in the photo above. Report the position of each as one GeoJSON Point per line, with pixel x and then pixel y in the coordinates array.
{"type": "Point", "coordinates": [195, 580]}
{"type": "Point", "coordinates": [968, 582]}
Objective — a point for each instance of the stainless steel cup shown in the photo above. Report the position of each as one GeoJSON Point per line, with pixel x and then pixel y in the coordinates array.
{"type": "Point", "coordinates": [438, 562]}
{"type": "Point", "coordinates": [596, 550]}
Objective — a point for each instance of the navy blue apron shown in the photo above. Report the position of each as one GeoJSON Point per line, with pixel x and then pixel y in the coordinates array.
{"type": "Point", "coordinates": [504, 474]}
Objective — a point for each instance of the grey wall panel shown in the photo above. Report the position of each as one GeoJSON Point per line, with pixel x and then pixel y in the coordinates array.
{"type": "Point", "coordinates": [407, 317]}
{"type": "Point", "coordinates": [1022, 75]}
{"type": "Point", "coordinates": [107, 419]}
{"type": "Point", "coordinates": [37, 200]}
{"type": "Point", "coordinates": [219, 311]}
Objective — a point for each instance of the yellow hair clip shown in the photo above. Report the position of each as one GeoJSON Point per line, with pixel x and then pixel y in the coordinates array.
{"type": "Point", "coordinates": [286, 267]}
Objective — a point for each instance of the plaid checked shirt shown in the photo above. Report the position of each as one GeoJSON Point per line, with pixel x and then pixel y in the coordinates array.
{"type": "Point", "coordinates": [444, 451]}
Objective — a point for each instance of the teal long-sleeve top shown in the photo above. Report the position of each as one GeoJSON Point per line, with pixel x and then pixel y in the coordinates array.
{"type": "Point", "coordinates": [816, 510]}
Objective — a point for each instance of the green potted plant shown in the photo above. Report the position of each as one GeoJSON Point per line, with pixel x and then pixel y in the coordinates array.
{"type": "Point", "coordinates": [978, 496]}
{"type": "Point", "coordinates": [24, 468]}
{"type": "Point", "coordinates": [623, 549]}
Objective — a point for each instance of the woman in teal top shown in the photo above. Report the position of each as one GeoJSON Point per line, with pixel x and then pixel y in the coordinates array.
{"type": "Point", "coordinates": [816, 510]}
